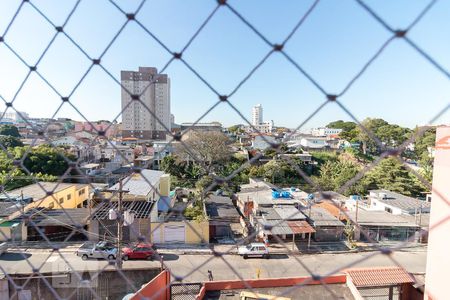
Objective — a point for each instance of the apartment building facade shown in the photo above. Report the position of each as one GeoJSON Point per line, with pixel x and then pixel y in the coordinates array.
{"type": "Point", "coordinates": [149, 118]}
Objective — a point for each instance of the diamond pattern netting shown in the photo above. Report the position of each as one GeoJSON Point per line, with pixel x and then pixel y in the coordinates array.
{"type": "Point", "coordinates": [223, 99]}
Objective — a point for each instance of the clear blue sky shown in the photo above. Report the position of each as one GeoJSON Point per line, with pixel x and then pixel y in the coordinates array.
{"type": "Point", "coordinates": [332, 46]}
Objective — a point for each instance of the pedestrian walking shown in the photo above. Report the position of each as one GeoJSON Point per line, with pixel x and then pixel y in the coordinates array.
{"type": "Point", "coordinates": [210, 276]}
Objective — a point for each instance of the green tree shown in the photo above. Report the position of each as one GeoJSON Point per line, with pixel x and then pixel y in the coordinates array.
{"type": "Point", "coordinates": [273, 171]}
{"type": "Point", "coordinates": [10, 130]}
{"type": "Point", "coordinates": [170, 165]}
{"type": "Point", "coordinates": [424, 141]}
{"type": "Point", "coordinates": [334, 174]}
{"type": "Point", "coordinates": [391, 175]}
{"type": "Point", "coordinates": [8, 141]}
{"type": "Point", "coordinates": [345, 126]}
{"type": "Point", "coordinates": [16, 178]}
{"type": "Point", "coordinates": [44, 159]}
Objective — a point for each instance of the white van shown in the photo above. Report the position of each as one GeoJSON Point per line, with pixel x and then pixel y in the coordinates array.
{"type": "Point", "coordinates": [254, 250]}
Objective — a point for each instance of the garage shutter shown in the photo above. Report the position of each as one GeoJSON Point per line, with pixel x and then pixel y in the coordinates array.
{"type": "Point", "coordinates": [156, 235]}
{"type": "Point", "coordinates": [174, 234]}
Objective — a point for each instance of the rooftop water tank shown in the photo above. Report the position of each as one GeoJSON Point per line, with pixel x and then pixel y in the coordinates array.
{"type": "Point", "coordinates": [286, 195]}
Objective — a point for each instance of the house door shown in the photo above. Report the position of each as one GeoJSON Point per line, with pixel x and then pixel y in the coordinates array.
{"type": "Point", "coordinates": [174, 233]}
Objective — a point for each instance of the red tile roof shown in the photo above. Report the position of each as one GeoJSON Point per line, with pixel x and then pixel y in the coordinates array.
{"type": "Point", "coordinates": [379, 276]}
{"type": "Point", "coordinates": [300, 227]}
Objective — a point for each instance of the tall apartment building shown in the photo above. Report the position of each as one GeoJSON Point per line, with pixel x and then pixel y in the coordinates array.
{"type": "Point", "coordinates": [257, 114]}
{"type": "Point", "coordinates": [137, 120]}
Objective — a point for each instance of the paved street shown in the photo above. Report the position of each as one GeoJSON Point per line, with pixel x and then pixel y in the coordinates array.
{"type": "Point", "coordinates": [196, 266]}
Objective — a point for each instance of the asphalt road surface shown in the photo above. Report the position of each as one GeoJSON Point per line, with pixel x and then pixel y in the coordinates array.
{"type": "Point", "coordinates": [194, 268]}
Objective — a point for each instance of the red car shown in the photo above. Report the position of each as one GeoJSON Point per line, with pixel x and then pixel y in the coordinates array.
{"type": "Point", "coordinates": [140, 251]}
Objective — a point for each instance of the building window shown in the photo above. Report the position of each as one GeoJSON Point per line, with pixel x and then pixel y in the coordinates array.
{"type": "Point", "coordinates": [388, 209]}
{"type": "Point", "coordinates": [61, 200]}
{"type": "Point", "coordinates": [51, 205]}
{"type": "Point", "coordinates": [69, 197]}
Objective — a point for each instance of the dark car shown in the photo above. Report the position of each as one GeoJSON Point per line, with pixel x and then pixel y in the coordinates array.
{"type": "Point", "coordinates": [140, 251]}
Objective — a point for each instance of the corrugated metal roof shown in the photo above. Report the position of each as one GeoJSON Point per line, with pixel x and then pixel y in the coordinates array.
{"type": "Point", "coordinates": [218, 207]}
{"type": "Point", "coordinates": [61, 217]}
{"type": "Point", "coordinates": [289, 213]}
{"type": "Point", "coordinates": [379, 276]}
{"type": "Point", "coordinates": [382, 218]}
{"type": "Point", "coordinates": [142, 183]}
{"type": "Point", "coordinates": [321, 217]}
{"type": "Point", "coordinates": [400, 201]}
{"type": "Point", "coordinates": [298, 227]}
{"type": "Point", "coordinates": [141, 209]}
{"type": "Point", "coordinates": [277, 227]}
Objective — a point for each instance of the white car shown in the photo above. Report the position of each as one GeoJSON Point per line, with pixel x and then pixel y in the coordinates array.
{"type": "Point", "coordinates": [254, 250]}
{"type": "Point", "coordinates": [100, 250]}
{"type": "Point", "coordinates": [3, 247]}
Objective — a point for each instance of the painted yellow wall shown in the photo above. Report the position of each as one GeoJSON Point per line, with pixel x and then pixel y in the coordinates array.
{"type": "Point", "coordinates": [71, 192]}
{"type": "Point", "coordinates": [196, 231]}
{"type": "Point", "coordinates": [52, 202]}
{"type": "Point", "coordinates": [202, 229]}
{"type": "Point", "coordinates": [164, 185]}
{"type": "Point", "coordinates": [5, 233]}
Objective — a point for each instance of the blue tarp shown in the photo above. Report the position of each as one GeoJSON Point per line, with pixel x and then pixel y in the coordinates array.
{"type": "Point", "coordinates": [164, 203]}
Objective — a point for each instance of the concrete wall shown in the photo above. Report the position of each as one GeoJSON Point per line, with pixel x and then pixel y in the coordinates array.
{"type": "Point", "coordinates": [197, 232]}
{"type": "Point", "coordinates": [110, 285]}
{"type": "Point", "coordinates": [157, 289]}
{"type": "Point", "coordinates": [13, 233]}
{"type": "Point", "coordinates": [438, 262]}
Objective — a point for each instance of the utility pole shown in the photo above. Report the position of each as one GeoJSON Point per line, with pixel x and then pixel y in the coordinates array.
{"type": "Point", "coordinates": [420, 223]}
{"type": "Point", "coordinates": [120, 220]}
{"type": "Point", "coordinates": [119, 227]}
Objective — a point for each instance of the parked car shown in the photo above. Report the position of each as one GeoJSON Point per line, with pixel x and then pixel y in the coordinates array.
{"type": "Point", "coordinates": [139, 251]}
{"type": "Point", "coordinates": [3, 248]}
{"type": "Point", "coordinates": [103, 250]}
{"type": "Point", "coordinates": [254, 250]}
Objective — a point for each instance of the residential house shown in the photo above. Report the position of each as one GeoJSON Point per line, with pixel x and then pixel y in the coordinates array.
{"type": "Point", "coordinates": [379, 226]}
{"type": "Point", "coordinates": [69, 224]}
{"type": "Point", "coordinates": [325, 131]}
{"type": "Point", "coordinates": [273, 212]}
{"type": "Point", "coordinates": [144, 190]}
{"type": "Point", "coordinates": [43, 195]}
{"type": "Point", "coordinates": [315, 143]}
{"type": "Point", "coordinates": [224, 219]}
{"type": "Point", "coordinates": [143, 162]}
{"type": "Point", "coordinates": [53, 195]}
{"type": "Point", "coordinates": [281, 223]}
{"type": "Point", "coordinates": [263, 142]}
{"type": "Point", "coordinates": [391, 202]}
{"type": "Point", "coordinates": [328, 228]}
